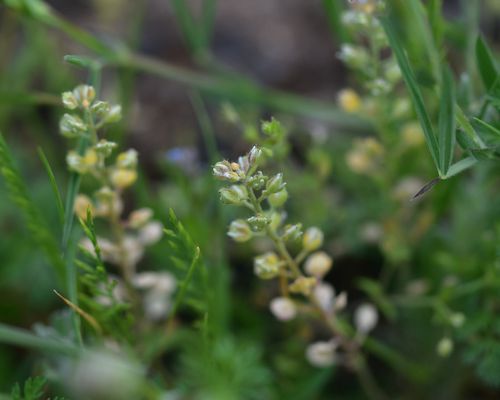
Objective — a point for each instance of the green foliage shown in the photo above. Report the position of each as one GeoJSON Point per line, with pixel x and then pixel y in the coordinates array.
{"type": "Point", "coordinates": [185, 257]}
{"type": "Point", "coordinates": [33, 389]}
{"type": "Point", "coordinates": [19, 194]}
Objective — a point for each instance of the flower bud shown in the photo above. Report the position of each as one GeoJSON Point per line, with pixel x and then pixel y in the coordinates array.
{"type": "Point", "coordinates": [324, 295]}
{"type": "Point", "coordinates": [349, 100]}
{"type": "Point", "coordinates": [354, 56]}
{"type": "Point", "coordinates": [340, 301]}
{"type": "Point", "coordinates": [267, 266]}
{"type": "Point", "coordinates": [283, 308]}
{"type": "Point", "coordinates": [235, 195]}
{"type": "Point", "coordinates": [140, 217]}
{"type": "Point", "coordinates": [223, 171]}
{"type": "Point", "coordinates": [258, 223]}
{"type": "Point", "coordinates": [255, 156]}
{"type": "Point", "coordinates": [365, 318]}
{"type": "Point", "coordinates": [239, 231]}
{"type": "Point", "coordinates": [258, 181]}
{"type": "Point", "coordinates": [278, 199]}
{"type": "Point", "coordinates": [85, 95]}
{"type": "Point", "coordinates": [105, 147]}
{"type": "Point", "coordinates": [292, 232]}
{"type": "Point", "coordinates": [322, 354]}
{"type": "Point", "coordinates": [75, 163]}
{"type": "Point", "coordinates": [275, 184]}
{"type": "Point", "coordinates": [318, 264]}
{"type": "Point", "coordinates": [114, 114]}
{"type": "Point", "coordinates": [151, 233]}
{"type": "Point", "coordinates": [72, 126]}
{"type": "Point", "coordinates": [122, 178]}
{"type": "Point", "coordinates": [127, 159]}
{"type": "Point", "coordinates": [457, 319]}
{"type": "Point", "coordinates": [303, 285]}
{"type": "Point", "coordinates": [444, 347]}
{"type": "Point", "coordinates": [244, 164]}
{"type": "Point", "coordinates": [313, 239]}
{"type": "Point", "coordinates": [69, 100]}
{"type": "Point", "coordinates": [100, 109]}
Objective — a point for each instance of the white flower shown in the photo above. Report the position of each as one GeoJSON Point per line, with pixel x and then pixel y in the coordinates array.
{"type": "Point", "coordinates": [341, 301]}
{"type": "Point", "coordinates": [444, 347]}
{"type": "Point", "coordinates": [322, 354]}
{"type": "Point", "coordinates": [318, 264]}
{"type": "Point", "coordinates": [151, 233]}
{"type": "Point", "coordinates": [283, 308]}
{"type": "Point", "coordinates": [140, 217]}
{"type": "Point", "coordinates": [365, 318]}
{"type": "Point", "coordinates": [324, 294]}
{"type": "Point", "coordinates": [159, 288]}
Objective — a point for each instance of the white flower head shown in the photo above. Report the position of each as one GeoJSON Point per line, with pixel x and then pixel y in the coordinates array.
{"type": "Point", "coordinates": [324, 295]}
{"type": "Point", "coordinates": [365, 318]}
{"type": "Point", "coordinates": [151, 233]}
{"type": "Point", "coordinates": [318, 264]}
{"type": "Point", "coordinates": [322, 354]}
{"type": "Point", "coordinates": [283, 308]}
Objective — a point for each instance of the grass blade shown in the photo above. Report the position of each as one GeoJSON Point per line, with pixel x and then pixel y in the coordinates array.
{"type": "Point", "coordinates": [415, 94]}
{"type": "Point", "coordinates": [447, 136]}
{"type": "Point", "coordinates": [460, 166]}
{"type": "Point", "coordinates": [24, 338]}
{"type": "Point", "coordinates": [53, 184]}
{"type": "Point", "coordinates": [486, 64]}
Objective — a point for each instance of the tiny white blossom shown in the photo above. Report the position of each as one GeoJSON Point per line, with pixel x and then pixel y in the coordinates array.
{"type": "Point", "coordinates": [151, 233]}
{"type": "Point", "coordinates": [283, 308]}
{"type": "Point", "coordinates": [324, 294]}
{"type": "Point", "coordinates": [365, 318]}
{"type": "Point", "coordinates": [322, 354]}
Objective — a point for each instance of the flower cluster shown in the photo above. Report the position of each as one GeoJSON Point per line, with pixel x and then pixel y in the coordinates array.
{"type": "Point", "coordinates": [303, 288]}
{"type": "Point", "coordinates": [95, 158]}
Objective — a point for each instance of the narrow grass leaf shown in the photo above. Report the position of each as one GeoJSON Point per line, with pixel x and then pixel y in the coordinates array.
{"type": "Point", "coordinates": [415, 94]}
{"type": "Point", "coordinates": [489, 128]}
{"type": "Point", "coordinates": [460, 166]}
{"type": "Point", "coordinates": [20, 337]}
{"type": "Point", "coordinates": [86, 316]}
{"type": "Point", "coordinates": [447, 135]}
{"type": "Point", "coordinates": [486, 64]}
{"type": "Point", "coordinates": [53, 184]}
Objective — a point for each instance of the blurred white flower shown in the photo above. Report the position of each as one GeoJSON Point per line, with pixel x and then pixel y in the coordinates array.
{"type": "Point", "coordinates": [324, 294]}
{"type": "Point", "coordinates": [100, 374]}
{"type": "Point", "coordinates": [371, 232]}
{"type": "Point", "coordinates": [365, 318]}
{"type": "Point", "coordinates": [444, 347]}
{"type": "Point", "coordinates": [318, 264]}
{"type": "Point", "coordinates": [140, 217]}
{"type": "Point", "coordinates": [151, 233]}
{"type": "Point", "coordinates": [322, 354]}
{"type": "Point", "coordinates": [159, 287]}
{"type": "Point", "coordinates": [283, 308]}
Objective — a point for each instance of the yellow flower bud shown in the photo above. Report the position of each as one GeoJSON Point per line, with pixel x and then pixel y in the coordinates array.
{"type": "Point", "coordinates": [313, 239]}
{"type": "Point", "coordinates": [349, 100]}
{"type": "Point", "coordinates": [122, 178]}
{"type": "Point", "coordinates": [90, 158]}
{"type": "Point", "coordinates": [303, 285]}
